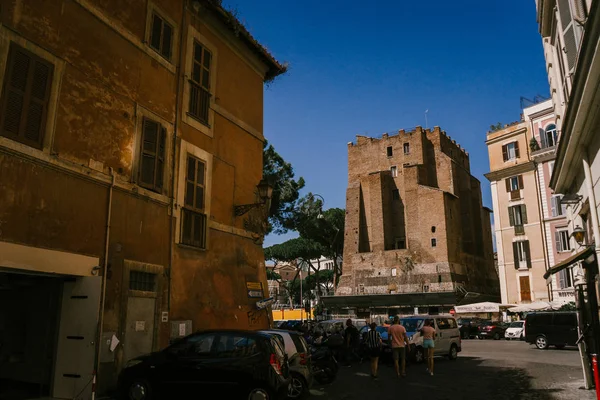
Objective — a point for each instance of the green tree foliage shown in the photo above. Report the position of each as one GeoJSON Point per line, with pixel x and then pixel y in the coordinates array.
{"type": "Point", "coordinates": [497, 127]}
{"type": "Point", "coordinates": [571, 306]}
{"type": "Point", "coordinates": [272, 275]}
{"type": "Point", "coordinates": [293, 250]}
{"type": "Point", "coordinates": [293, 291]}
{"type": "Point", "coordinates": [280, 174]}
{"type": "Point", "coordinates": [322, 278]}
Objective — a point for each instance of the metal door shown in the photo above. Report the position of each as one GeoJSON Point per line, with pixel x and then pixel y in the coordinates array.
{"type": "Point", "coordinates": [525, 288]}
{"type": "Point", "coordinates": [75, 351]}
{"type": "Point", "coordinates": [139, 328]}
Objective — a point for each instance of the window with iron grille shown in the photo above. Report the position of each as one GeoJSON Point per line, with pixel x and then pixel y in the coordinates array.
{"type": "Point", "coordinates": [193, 226]}
{"type": "Point", "coordinates": [25, 97]}
{"type": "Point", "coordinates": [200, 83]}
{"type": "Point", "coordinates": [152, 157]}
{"type": "Point", "coordinates": [143, 281]}
{"type": "Point", "coordinates": [161, 36]}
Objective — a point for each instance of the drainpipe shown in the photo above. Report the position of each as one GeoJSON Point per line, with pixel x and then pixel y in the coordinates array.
{"type": "Point", "coordinates": [103, 291]}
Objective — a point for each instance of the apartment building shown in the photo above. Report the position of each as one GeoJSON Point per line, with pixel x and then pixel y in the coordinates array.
{"type": "Point", "coordinates": [129, 134]}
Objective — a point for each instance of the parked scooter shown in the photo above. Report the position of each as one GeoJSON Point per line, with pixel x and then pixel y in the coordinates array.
{"type": "Point", "coordinates": [324, 363]}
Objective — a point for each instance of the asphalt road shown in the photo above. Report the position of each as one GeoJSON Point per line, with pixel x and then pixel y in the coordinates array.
{"type": "Point", "coordinates": [485, 369]}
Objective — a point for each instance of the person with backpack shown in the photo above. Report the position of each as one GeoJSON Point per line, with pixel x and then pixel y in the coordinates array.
{"type": "Point", "coordinates": [374, 345]}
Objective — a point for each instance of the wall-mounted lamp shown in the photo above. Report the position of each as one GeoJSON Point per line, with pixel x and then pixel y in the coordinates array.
{"type": "Point", "coordinates": [578, 234]}
{"type": "Point", "coordinates": [571, 198]}
{"type": "Point", "coordinates": [265, 192]}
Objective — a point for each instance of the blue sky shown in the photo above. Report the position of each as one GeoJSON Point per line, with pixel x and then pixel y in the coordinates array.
{"type": "Point", "coordinates": [359, 67]}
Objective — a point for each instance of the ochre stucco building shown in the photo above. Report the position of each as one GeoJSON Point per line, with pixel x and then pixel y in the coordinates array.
{"type": "Point", "coordinates": [129, 131]}
{"type": "Point", "coordinates": [416, 232]}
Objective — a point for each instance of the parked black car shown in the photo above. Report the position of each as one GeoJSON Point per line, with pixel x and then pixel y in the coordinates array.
{"type": "Point", "coordinates": [236, 363]}
{"type": "Point", "coordinates": [492, 329]}
{"type": "Point", "coordinates": [553, 328]}
{"type": "Point", "coordinates": [469, 327]}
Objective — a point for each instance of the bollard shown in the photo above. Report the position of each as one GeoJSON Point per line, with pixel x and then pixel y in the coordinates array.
{"type": "Point", "coordinates": [596, 374]}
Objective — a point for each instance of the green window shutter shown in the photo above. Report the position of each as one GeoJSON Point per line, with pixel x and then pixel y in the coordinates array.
{"type": "Point", "coordinates": [523, 213]}
{"type": "Point", "coordinates": [516, 254]}
{"type": "Point", "coordinates": [527, 253]}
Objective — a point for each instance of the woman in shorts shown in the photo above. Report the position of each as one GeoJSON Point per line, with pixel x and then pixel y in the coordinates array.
{"type": "Point", "coordinates": [374, 345]}
{"type": "Point", "coordinates": [428, 333]}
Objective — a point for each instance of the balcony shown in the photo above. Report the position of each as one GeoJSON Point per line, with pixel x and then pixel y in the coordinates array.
{"type": "Point", "coordinates": [519, 230]}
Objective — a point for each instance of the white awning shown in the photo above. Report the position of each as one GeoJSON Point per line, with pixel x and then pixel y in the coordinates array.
{"type": "Point", "coordinates": [484, 307]}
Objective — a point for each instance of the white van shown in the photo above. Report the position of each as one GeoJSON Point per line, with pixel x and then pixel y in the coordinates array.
{"type": "Point", "coordinates": [447, 341]}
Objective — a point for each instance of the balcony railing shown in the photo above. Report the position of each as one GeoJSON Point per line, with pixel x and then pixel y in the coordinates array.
{"type": "Point", "coordinates": [519, 230]}
{"type": "Point", "coordinates": [515, 194]}
{"type": "Point", "coordinates": [199, 102]}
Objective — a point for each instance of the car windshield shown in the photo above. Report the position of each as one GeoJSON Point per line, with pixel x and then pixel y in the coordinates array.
{"type": "Point", "coordinates": [516, 324]}
{"type": "Point", "coordinates": [411, 324]}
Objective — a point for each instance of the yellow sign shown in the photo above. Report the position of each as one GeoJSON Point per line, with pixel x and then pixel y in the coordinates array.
{"type": "Point", "coordinates": [253, 285]}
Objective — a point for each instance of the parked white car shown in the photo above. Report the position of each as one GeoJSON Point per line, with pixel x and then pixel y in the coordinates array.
{"type": "Point", "coordinates": [515, 330]}
{"type": "Point", "coordinates": [447, 341]}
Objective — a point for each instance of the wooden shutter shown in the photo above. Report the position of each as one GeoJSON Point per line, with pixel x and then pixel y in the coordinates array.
{"type": "Point", "coordinates": [554, 208]}
{"type": "Point", "coordinates": [507, 181]}
{"type": "Point", "coordinates": [527, 253]}
{"type": "Point", "coordinates": [511, 216]}
{"type": "Point", "coordinates": [167, 39]}
{"type": "Point", "coordinates": [557, 241]}
{"type": "Point", "coordinates": [504, 153]}
{"type": "Point", "coordinates": [25, 97]}
{"type": "Point", "coordinates": [152, 158]}
{"type": "Point", "coordinates": [520, 179]}
{"type": "Point", "coordinates": [516, 254]}
{"type": "Point", "coordinates": [517, 150]}
{"type": "Point", "coordinates": [523, 214]}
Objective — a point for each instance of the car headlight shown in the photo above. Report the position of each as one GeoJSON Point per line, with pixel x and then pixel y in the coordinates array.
{"type": "Point", "coordinates": [132, 363]}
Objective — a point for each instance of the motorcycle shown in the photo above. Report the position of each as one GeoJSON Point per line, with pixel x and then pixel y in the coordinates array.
{"type": "Point", "coordinates": [324, 363]}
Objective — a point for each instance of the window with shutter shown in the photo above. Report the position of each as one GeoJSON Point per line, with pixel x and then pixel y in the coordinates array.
{"type": "Point", "coordinates": [152, 155]}
{"type": "Point", "coordinates": [557, 242]}
{"type": "Point", "coordinates": [161, 36]}
{"type": "Point", "coordinates": [527, 253]}
{"type": "Point", "coordinates": [505, 153]}
{"type": "Point", "coordinates": [543, 142]}
{"type": "Point", "coordinates": [520, 179]}
{"type": "Point", "coordinates": [516, 254]}
{"type": "Point", "coordinates": [523, 212]}
{"type": "Point", "coordinates": [570, 33]}
{"type": "Point", "coordinates": [25, 97]}
{"type": "Point", "coordinates": [193, 227]}
{"type": "Point", "coordinates": [511, 216]}
{"type": "Point", "coordinates": [517, 155]}
{"type": "Point", "coordinates": [200, 83]}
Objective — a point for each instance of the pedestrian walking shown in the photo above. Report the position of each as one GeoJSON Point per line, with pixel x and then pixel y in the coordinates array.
{"type": "Point", "coordinates": [374, 345]}
{"type": "Point", "coordinates": [428, 332]}
{"type": "Point", "coordinates": [351, 342]}
{"type": "Point", "coordinates": [399, 340]}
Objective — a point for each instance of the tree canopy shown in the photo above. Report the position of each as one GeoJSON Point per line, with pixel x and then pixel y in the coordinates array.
{"type": "Point", "coordinates": [280, 174]}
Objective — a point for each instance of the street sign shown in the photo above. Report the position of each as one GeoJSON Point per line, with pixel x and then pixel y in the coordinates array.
{"type": "Point", "coordinates": [254, 285]}
{"type": "Point", "coordinates": [264, 303]}
{"type": "Point", "coordinates": [255, 294]}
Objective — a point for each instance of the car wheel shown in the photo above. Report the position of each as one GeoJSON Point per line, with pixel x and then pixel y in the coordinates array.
{"type": "Point", "coordinates": [496, 336]}
{"type": "Point", "coordinates": [541, 342]}
{"type": "Point", "coordinates": [297, 388]}
{"type": "Point", "coordinates": [480, 337]}
{"type": "Point", "coordinates": [453, 355]}
{"type": "Point", "coordinates": [259, 393]}
{"type": "Point", "coordinates": [139, 389]}
{"type": "Point", "coordinates": [419, 355]}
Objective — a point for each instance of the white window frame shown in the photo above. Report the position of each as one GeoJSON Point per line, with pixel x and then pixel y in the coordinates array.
{"type": "Point", "coordinates": [394, 271]}
{"type": "Point", "coordinates": [406, 148]}
{"type": "Point", "coordinates": [510, 156]}
{"type": "Point", "coordinates": [394, 171]}
{"type": "Point", "coordinates": [557, 209]}
{"type": "Point", "coordinates": [186, 149]}
{"type": "Point", "coordinates": [514, 183]}
{"type": "Point", "coordinates": [565, 240]}
{"type": "Point", "coordinates": [194, 35]}
{"type": "Point", "coordinates": [6, 37]}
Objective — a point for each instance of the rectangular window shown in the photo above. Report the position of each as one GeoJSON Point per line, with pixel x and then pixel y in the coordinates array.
{"type": "Point", "coordinates": [521, 250]}
{"type": "Point", "coordinates": [395, 194]}
{"type": "Point", "coordinates": [514, 183]}
{"type": "Point", "coordinates": [551, 167]}
{"type": "Point", "coordinates": [390, 151]}
{"type": "Point", "coordinates": [152, 157]}
{"type": "Point", "coordinates": [27, 82]}
{"type": "Point", "coordinates": [394, 271]}
{"type": "Point", "coordinates": [161, 36]}
{"type": "Point", "coordinates": [565, 278]}
{"type": "Point", "coordinates": [406, 148]}
{"type": "Point", "coordinates": [394, 171]}
{"type": "Point", "coordinates": [558, 209]}
{"type": "Point", "coordinates": [433, 243]}
{"type": "Point", "coordinates": [143, 281]}
{"type": "Point", "coordinates": [193, 226]}
{"type": "Point", "coordinates": [561, 238]}
{"type": "Point", "coordinates": [517, 215]}
{"type": "Point", "coordinates": [200, 83]}
{"type": "Point", "coordinates": [510, 151]}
